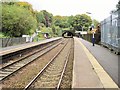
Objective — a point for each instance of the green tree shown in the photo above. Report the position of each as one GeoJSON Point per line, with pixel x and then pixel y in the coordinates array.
{"type": "Point", "coordinates": [48, 18]}
{"type": "Point", "coordinates": [17, 21]}
{"type": "Point", "coordinates": [27, 6]}
{"type": "Point", "coordinates": [9, 2]}
{"type": "Point", "coordinates": [44, 17]}
{"type": "Point", "coordinates": [96, 23]}
{"type": "Point", "coordinates": [53, 29]}
{"type": "Point", "coordinates": [61, 21]}
{"type": "Point", "coordinates": [40, 17]}
{"type": "Point", "coordinates": [70, 20]}
{"type": "Point", "coordinates": [81, 21]}
{"type": "Point", "coordinates": [57, 20]}
{"type": "Point", "coordinates": [118, 5]}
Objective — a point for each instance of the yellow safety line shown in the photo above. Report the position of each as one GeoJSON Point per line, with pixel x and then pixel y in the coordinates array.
{"type": "Point", "coordinates": [102, 74]}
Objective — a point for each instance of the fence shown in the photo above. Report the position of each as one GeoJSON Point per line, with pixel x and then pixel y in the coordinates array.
{"type": "Point", "coordinates": [88, 37]}
{"type": "Point", "coordinates": [12, 41]}
{"type": "Point", "coordinates": [110, 31]}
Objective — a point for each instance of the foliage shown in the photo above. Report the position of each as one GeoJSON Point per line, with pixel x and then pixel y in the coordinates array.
{"type": "Point", "coordinates": [70, 21]}
{"type": "Point", "coordinates": [61, 21]}
{"type": "Point", "coordinates": [47, 30]}
{"type": "Point", "coordinates": [17, 21]}
{"type": "Point", "coordinates": [81, 21]}
{"type": "Point", "coordinates": [40, 17]}
{"type": "Point", "coordinates": [96, 23]}
{"type": "Point", "coordinates": [56, 30]}
{"type": "Point", "coordinates": [48, 18]}
{"type": "Point", "coordinates": [25, 5]}
{"type": "Point", "coordinates": [40, 37]}
{"type": "Point", "coordinates": [21, 4]}
{"type": "Point", "coordinates": [9, 2]}
{"type": "Point", "coordinates": [118, 5]}
{"type": "Point", "coordinates": [45, 18]}
{"type": "Point", "coordinates": [2, 35]}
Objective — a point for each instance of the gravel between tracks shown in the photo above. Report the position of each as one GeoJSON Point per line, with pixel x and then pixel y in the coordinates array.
{"type": "Point", "coordinates": [67, 78]}
{"type": "Point", "coordinates": [25, 75]}
{"type": "Point", "coordinates": [50, 77]}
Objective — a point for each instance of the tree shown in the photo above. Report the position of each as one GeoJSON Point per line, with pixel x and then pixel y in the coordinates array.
{"type": "Point", "coordinates": [48, 18]}
{"type": "Point", "coordinates": [27, 6]}
{"type": "Point", "coordinates": [61, 21]}
{"type": "Point", "coordinates": [57, 20]}
{"type": "Point", "coordinates": [118, 5]}
{"type": "Point", "coordinates": [44, 17]}
{"type": "Point", "coordinates": [40, 17]}
{"type": "Point", "coordinates": [70, 20]}
{"type": "Point", "coordinates": [81, 21]}
{"type": "Point", "coordinates": [6, 2]}
{"type": "Point", "coordinates": [17, 21]}
{"type": "Point", "coordinates": [96, 23]}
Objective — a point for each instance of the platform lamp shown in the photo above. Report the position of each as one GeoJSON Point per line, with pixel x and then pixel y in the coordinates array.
{"type": "Point", "coordinates": [92, 19]}
{"type": "Point", "coordinates": [92, 26]}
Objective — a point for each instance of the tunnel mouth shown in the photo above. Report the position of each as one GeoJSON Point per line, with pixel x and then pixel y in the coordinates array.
{"type": "Point", "coordinates": [67, 34]}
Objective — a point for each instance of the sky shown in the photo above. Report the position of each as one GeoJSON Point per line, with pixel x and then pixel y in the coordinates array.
{"type": "Point", "coordinates": [99, 9]}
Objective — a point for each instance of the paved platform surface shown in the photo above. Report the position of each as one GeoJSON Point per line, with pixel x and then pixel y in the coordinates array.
{"type": "Point", "coordinates": [11, 49]}
{"type": "Point", "coordinates": [108, 60]}
{"type": "Point", "coordinates": [87, 72]}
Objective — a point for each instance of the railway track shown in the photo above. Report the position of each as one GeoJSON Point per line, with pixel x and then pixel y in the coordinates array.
{"type": "Point", "coordinates": [51, 75]}
{"type": "Point", "coordinates": [23, 56]}
{"type": "Point", "coordinates": [13, 67]}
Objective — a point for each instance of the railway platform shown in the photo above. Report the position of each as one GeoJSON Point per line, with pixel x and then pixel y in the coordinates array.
{"type": "Point", "coordinates": [12, 49]}
{"type": "Point", "coordinates": [88, 72]}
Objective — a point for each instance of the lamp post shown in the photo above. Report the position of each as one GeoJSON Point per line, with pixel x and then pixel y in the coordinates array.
{"type": "Point", "coordinates": [93, 36]}
{"type": "Point", "coordinates": [92, 19]}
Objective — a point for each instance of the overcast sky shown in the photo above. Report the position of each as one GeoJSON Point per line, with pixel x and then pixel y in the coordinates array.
{"type": "Point", "coordinates": [100, 9]}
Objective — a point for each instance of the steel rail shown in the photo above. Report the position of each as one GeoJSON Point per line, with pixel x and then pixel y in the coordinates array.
{"type": "Point", "coordinates": [31, 61]}
{"type": "Point", "coordinates": [25, 57]}
{"type": "Point", "coordinates": [67, 59]}
{"type": "Point", "coordinates": [44, 68]}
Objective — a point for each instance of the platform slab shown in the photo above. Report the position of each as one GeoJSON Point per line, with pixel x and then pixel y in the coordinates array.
{"type": "Point", "coordinates": [87, 72]}
{"type": "Point", "coordinates": [83, 73]}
